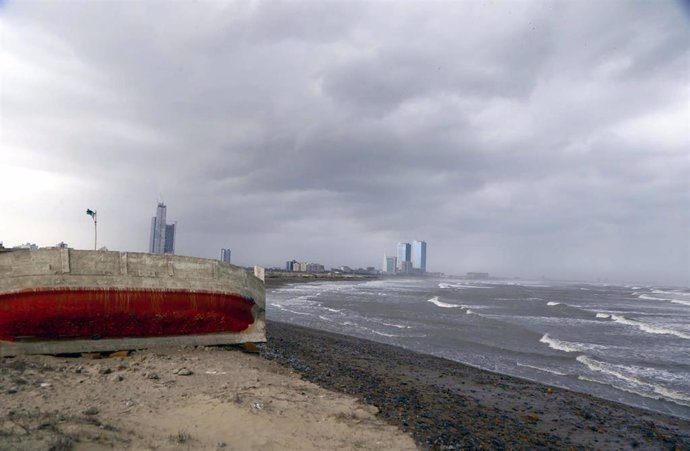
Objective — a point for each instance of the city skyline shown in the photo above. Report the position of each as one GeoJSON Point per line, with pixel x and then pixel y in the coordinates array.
{"type": "Point", "coordinates": [519, 138]}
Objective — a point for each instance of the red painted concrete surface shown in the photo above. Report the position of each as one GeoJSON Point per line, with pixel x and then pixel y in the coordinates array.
{"type": "Point", "coordinates": [118, 313]}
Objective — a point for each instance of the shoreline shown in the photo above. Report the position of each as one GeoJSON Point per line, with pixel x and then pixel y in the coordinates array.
{"type": "Point", "coordinates": [273, 280]}
{"type": "Point", "coordinates": [450, 405]}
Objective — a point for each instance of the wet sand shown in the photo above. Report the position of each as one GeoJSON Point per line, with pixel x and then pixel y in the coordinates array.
{"type": "Point", "coordinates": [448, 405]}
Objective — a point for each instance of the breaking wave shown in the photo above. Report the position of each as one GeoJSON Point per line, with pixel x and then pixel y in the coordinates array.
{"type": "Point", "coordinates": [603, 315]}
{"type": "Point", "coordinates": [631, 383]}
{"type": "Point", "coordinates": [438, 303]}
{"type": "Point", "coordinates": [568, 346]}
{"type": "Point", "coordinates": [649, 328]}
{"type": "Point", "coordinates": [540, 368]}
{"type": "Point", "coordinates": [551, 303]}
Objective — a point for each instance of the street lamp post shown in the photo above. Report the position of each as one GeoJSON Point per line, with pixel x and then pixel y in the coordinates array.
{"type": "Point", "coordinates": [93, 214]}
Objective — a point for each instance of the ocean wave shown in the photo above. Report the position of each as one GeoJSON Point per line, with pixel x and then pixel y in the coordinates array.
{"type": "Point", "coordinates": [539, 368]}
{"type": "Point", "coordinates": [677, 297]}
{"type": "Point", "coordinates": [383, 334]}
{"type": "Point", "coordinates": [649, 328]}
{"type": "Point", "coordinates": [679, 301]}
{"type": "Point", "coordinates": [445, 286]}
{"type": "Point", "coordinates": [334, 310]}
{"type": "Point", "coordinates": [603, 315]}
{"type": "Point", "coordinates": [634, 384]}
{"type": "Point", "coordinates": [651, 298]}
{"type": "Point", "coordinates": [568, 346]}
{"type": "Point", "coordinates": [552, 303]}
{"type": "Point", "coordinates": [438, 303]}
{"type": "Point", "coordinates": [399, 326]}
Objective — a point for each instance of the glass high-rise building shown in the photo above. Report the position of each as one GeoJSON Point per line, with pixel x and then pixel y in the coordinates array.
{"type": "Point", "coordinates": [162, 237]}
{"type": "Point", "coordinates": [404, 254]}
{"type": "Point", "coordinates": [225, 255]}
{"type": "Point", "coordinates": [419, 255]}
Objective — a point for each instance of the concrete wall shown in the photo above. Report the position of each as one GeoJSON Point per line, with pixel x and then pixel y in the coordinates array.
{"type": "Point", "coordinates": [68, 268]}
{"type": "Point", "coordinates": [50, 268]}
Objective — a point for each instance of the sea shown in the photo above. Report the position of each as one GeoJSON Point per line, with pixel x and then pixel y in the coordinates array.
{"type": "Point", "coordinates": [625, 343]}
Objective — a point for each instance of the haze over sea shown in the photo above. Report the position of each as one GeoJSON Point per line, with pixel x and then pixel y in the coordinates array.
{"type": "Point", "coordinates": [624, 343]}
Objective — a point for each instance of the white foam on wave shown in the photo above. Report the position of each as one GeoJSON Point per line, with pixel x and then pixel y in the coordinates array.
{"type": "Point", "coordinates": [649, 328]}
{"type": "Point", "coordinates": [603, 315]}
{"type": "Point", "coordinates": [383, 334]}
{"type": "Point", "coordinates": [632, 383]}
{"type": "Point", "coordinates": [651, 298]}
{"type": "Point", "coordinates": [540, 368]}
{"type": "Point", "coordinates": [552, 303]}
{"type": "Point", "coordinates": [677, 297]}
{"type": "Point", "coordinates": [445, 286]}
{"type": "Point", "coordinates": [334, 310]}
{"type": "Point", "coordinates": [567, 346]}
{"type": "Point", "coordinates": [679, 301]}
{"type": "Point", "coordinates": [438, 303]}
{"type": "Point", "coordinates": [399, 326]}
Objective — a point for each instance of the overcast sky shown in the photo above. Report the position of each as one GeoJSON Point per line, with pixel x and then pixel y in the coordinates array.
{"type": "Point", "coordinates": [520, 138]}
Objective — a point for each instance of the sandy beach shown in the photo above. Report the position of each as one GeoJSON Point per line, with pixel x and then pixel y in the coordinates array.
{"type": "Point", "coordinates": [305, 389]}
{"type": "Point", "coordinates": [179, 398]}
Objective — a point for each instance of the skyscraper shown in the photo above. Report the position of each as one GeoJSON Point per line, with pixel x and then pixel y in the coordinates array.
{"type": "Point", "coordinates": [419, 255]}
{"type": "Point", "coordinates": [225, 255]}
{"type": "Point", "coordinates": [162, 238]}
{"type": "Point", "coordinates": [389, 264]}
{"type": "Point", "coordinates": [404, 255]}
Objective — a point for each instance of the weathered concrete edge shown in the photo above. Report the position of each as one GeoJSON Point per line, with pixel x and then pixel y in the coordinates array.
{"type": "Point", "coordinates": [256, 334]}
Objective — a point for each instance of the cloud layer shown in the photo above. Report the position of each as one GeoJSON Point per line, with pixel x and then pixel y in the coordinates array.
{"type": "Point", "coordinates": [526, 139]}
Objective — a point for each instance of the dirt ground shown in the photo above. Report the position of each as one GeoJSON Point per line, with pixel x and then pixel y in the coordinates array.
{"type": "Point", "coordinates": [179, 398]}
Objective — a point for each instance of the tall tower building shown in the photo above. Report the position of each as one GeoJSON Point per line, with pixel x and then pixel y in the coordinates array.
{"type": "Point", "coordinates": [225, 255]}
{"type": "Point", "coordinates": [162, 238]}
{"type": "Point", "coordinates": [419, 255]}
{"type": "Point", "coordinates": [389, 264]}
{"type": "Point", "coordinates": [404, 255]}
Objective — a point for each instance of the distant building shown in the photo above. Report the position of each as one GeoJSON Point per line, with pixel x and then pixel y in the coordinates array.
{"type": "Point", "coordinates": [225, 255]}
{"type": "Point", "coordinates": [477, 275]}
{"type": "Point", "coordinates": [405, 267]}
{"type": "Point", "coordinates": [419, 255]}
{"type": "Point", "coordinates": [290, 265]}
{"type": "Point", "coordinates": [404, 255]}
{"type": "Point", "coordinates": [162, 237]}
{"type": "Point", "coordinates": [389, 264]}
{"type": "Point", "coordinates": [169, 247]}
{"type": "Point", "coordinates": [30, 246]}
{"type": "Point", "coordinates": [315, 267]}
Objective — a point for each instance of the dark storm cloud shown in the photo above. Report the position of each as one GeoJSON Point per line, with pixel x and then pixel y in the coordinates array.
{"type": "Point", "coordinates": [532, 138]}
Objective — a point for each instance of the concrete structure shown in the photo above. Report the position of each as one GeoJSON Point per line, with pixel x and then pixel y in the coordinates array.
{"type": "Point", "coordinates": [225, 255]}
{"type": "Point", "coordinates": [162, 236]}
{"type": "Point", "coordinates": [404, 255]}
{"type": "Point", "coordinates": [389, 264]}
{"type": "Point", "coordinates": [65, 301]}
{"type": "Point", "coordinates": [405, 267]}
{"type": "Point", "coordinates": [315, 267]}
{"type": "Point", "coordinates": [419, 256]}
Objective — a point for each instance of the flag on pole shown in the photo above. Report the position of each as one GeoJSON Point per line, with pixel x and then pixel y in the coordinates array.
{"type": "Point", "coordinates": [90, 212]}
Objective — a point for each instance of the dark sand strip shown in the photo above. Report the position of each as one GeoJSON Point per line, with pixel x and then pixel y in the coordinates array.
{"type": "Point", "coordinates": [448, 405]}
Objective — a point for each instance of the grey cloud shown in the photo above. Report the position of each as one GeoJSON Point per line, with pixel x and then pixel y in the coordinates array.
{"type": "Point", "coordinates": [522, 138]}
